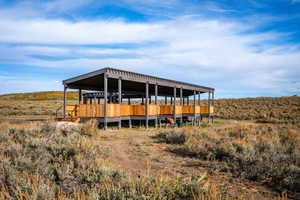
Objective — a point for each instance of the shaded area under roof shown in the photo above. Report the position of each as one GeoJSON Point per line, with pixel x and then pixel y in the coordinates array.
{"type": "Point", "coordinates": [132, 83]}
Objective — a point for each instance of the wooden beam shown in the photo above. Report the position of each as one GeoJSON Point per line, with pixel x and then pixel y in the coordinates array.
{"type": "Point", "coordinates": [120, 103]}
{"type": "Point", "coordinates": [146, 105]}
{"type": "Point", "coordinates": [105, 101]}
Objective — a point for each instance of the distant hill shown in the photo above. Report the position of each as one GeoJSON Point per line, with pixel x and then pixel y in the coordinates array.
{"type": "Point", "coordinates": [39, 96]}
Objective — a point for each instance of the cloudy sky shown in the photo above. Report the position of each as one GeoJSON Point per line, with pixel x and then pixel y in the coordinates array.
{"type": "Point", "coordinates": [242, 48]}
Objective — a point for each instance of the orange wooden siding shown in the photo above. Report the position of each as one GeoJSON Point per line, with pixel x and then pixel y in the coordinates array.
{"type": "Point", "coordinates": [97, 110]}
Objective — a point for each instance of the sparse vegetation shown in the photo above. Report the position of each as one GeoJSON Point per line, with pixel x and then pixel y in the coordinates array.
{"type": "Point", "coordinates": [48, 160]}
{"type": "Point", "coordinates": [260, 109]}
{"type": "Point", "coordinates": [267, 154]}
{"type": "Point", "coordinates": [62, 161]}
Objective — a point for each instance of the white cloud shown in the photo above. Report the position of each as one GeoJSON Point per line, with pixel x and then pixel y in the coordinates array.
{"type": "Point", "coordinates": [209, 52]}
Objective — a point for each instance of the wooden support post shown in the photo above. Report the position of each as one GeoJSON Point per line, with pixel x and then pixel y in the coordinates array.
{"type": "Point", "coordinates": [174, 104]}
{"type": "Point", "coordinates": [194, 107]}
{"type": "Point", "coordinates": [129, 101]}
{"type": "Point", "coordinates": [146, 105]}
{"type": "Point", "coordinates": [171, 101]}
{"type": "Point", "coordinates": [150, 99]}
{"type": "Point", "coordinates": [156, 104]}
{"type": "Point", "coordinates": [143, 101]}
{"type": "Point", "coordinates": [91, 101]}
{"type": "Point", "coordinates": [181, 103]}
{"type": "Point", "coordinates": [79, 96]}
{"type": "Point", "coordinates": [188, 100]}
{"type": "Point", "coordinates": [166, 100]}
{"type": "Point", "coordinates": [105, 101]}
{"type": "Point", "coordinates": [65, 101]}
{"type": "Point", "coordinates": [120, 103]}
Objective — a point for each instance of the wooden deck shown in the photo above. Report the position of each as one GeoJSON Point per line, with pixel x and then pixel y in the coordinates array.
{"type": "Point", "coordinates": [97, 110]}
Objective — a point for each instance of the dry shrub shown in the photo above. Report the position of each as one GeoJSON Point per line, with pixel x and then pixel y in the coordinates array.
{"type": "Point", "coordinates": [90, 127]}
{"type": "Point", "coordinates": [261, 109]}
{"type": "Point", "coordinates": [50, 162]}
{"type": "Point", "coordinates": [268, 154]}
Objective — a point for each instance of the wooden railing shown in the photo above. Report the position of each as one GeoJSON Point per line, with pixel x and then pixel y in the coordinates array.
{"type": "Point", "coordinates": [97, 110]}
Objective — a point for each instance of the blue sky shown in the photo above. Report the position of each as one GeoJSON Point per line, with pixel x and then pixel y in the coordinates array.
{"type": "Point", "coordinates": [242, 48]}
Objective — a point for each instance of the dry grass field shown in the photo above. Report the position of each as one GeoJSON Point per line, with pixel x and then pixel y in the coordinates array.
{"type": "Point", "coordinates": [237, 157]}
{"type": "Point", "coordinates": [260, 109]}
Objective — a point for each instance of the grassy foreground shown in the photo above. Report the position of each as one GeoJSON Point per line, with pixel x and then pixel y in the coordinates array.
{"type": "Point", "coordinates": [45, 161]}
{"type": "Point", "coordinates": [60, 161]}
{"type": "Point", "coordinates": [232, 159]}
{"type": "Point", "coordinates": [263, 153]}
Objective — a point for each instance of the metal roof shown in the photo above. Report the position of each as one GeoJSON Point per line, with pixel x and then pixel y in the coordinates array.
{"type": "Point", "coordinates": [133, 81]}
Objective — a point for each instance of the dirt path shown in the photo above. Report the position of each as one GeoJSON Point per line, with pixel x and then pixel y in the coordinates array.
{"type": "Point", "coordinates": [138, 152]}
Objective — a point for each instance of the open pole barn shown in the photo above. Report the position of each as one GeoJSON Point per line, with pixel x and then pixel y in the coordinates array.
{"type": "Point", "coordinates": [114, 96]}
